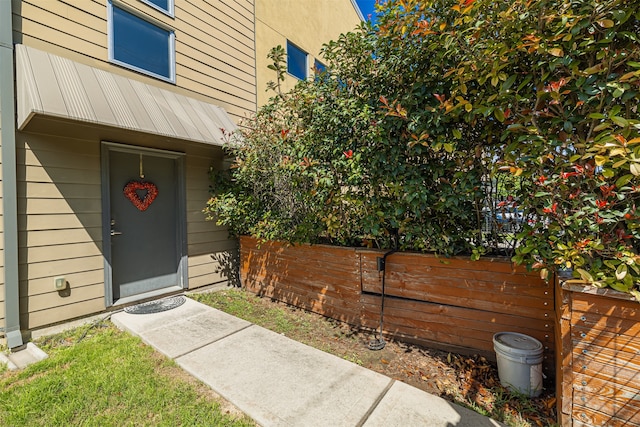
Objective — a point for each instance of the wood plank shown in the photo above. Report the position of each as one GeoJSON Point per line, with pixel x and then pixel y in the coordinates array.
{"type": "Point", "coordinates": [313, 269]}
{"type": "Point", "coordinates": [45, 284]}
{"type": "Point", "coordinates": [564, 357]}
{"type": "Point", "coordinates": [60, 206]}
{"type": "Point", "coordinates": [329, 304]}
{"type": "Point", "coordinates": [206, 259]}
{"type": "Point", "coordinates": [453, 320]}
{"type": "Point", "coordinates": [35, 319]}
{"type": "Point", "coordinates": [58, 237]}
{"type": "Point", "coordinates": [206, 280]}
{"type": "Point", "coordinates": [206, 226]}
{"type": "Point", "coordinates": [60, 267]}
{"type": "Point", "coordinates": [58, 159]}
{"type": "Point", "coordinates": [58, 252]}
{"type": "Point", "coordinates": [61, 175]}
{"type": "Point", "coordinates": [592, 417]}
{"type": "Point", "coordinates": [420, 260]}
{"type": "Point", "coordinates": [597, 321]}
{"type": "Point", "coordinates": [587, 383]}
{"type": "Point", "coordinates": [439, 292]}
{"type": "Point", "coordinates": [589, 337]}
{"type": "Point", "coordinates": [623, 373]}
{"type": "Point", "coordinates": [57, 191]}
{"type": "Point", "coordinates": [243, 91]}
{"type": "Point", "coordinates": [58, 222]}
{"type": "Point", "coordinates": [210, 247]}
{"type": "Point", "coordinates": [208, 26]}
{"type": "Point", "coordinates": [54, 299]}
{"type": "Point", "coordinates": [206, 237]}
{"type": "Point", "coordinates": [37, 30]}
{"type": "Point", "coordinates": [205, 269]}
{"type": "Point", "coordinates": [223, 65]}
{"type": "Point", "coordinates": [234, 105]}
{"type": "Point", "coordinates": [342, 289]}
{"type": "Point", "coordinates": [606, 355]}
{"type": "Point", "coordinates": [67, 21]}
{"type": "Point", "coordinates": [597, 305]}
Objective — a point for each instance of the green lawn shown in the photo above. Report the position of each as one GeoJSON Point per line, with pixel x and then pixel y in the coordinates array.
{"type": "Point", "coordinates": [100, 376]}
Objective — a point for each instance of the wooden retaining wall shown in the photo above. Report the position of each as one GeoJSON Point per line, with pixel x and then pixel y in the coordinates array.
{"type": "Point", "coordinates": [458, 302]}
{"type": "Point", "coordinates": [454, 304]}
{"type": "Point", "coordinates": [325, 281]}
{"type": "Point", "coordinates": [599, 376]}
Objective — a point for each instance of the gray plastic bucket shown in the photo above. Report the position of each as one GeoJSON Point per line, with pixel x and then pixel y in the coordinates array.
{"type": "Point", "coordinates": [519, 362]}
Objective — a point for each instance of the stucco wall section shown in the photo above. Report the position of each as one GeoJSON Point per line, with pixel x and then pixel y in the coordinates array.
{"type": "Point", "coordinates": [307, 24]}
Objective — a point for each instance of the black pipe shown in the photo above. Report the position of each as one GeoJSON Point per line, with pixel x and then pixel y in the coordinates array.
{"type": "Point", "coordinates": [382, 261]}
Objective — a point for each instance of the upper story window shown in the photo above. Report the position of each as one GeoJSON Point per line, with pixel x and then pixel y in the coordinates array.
{"type": "Point", "coordinates": [319, 67]}
{"type": "Point", "coordinates": [165, 6]}
{"type": "Point", "coordinates": [141, 44]}
{"type": "Point", "coordinates": [296, 61]}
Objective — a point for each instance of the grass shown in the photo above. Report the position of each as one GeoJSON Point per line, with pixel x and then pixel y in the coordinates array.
{"type": "Point", "coordinates": [100, 376]}
{"type": "Point", "coordinates": [239, 304]}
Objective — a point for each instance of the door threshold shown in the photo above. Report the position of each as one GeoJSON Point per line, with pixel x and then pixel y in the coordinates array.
{"type": "Point", "coordinates": [148, 295]}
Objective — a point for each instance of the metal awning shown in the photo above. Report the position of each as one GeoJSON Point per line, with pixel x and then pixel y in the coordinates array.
{"type": "Point", "coordinates": [54, 86]}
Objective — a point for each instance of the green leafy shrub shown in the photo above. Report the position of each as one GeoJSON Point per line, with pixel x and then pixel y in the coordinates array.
{"type": "Point", "coordinates": [424, 122]}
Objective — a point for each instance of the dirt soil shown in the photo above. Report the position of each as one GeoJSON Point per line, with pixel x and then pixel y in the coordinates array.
{"type": "Point", "coordinates": [469, 380]}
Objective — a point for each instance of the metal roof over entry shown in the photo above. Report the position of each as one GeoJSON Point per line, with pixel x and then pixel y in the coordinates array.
{"type": "Point", "coordinates": [54, 86]}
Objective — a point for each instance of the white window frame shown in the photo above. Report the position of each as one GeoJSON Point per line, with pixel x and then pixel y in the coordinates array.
{"type": "Point", "coordinates": [172, 42]}
{"type": "Point", "coordinates": [170, 12]}
{"type": "Point", "coordinates": [306, 61]}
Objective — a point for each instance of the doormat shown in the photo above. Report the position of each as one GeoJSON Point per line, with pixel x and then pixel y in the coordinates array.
{"type": "Point", "coordinates": [156, 306]}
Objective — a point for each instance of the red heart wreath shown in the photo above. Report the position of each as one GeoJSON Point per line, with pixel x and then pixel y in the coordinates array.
{"type": "Point", "coordinates": [131, 193]}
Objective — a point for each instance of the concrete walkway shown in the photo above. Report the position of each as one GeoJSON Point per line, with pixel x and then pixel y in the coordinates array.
{"type": "Point", "coordinates": [281, 382]}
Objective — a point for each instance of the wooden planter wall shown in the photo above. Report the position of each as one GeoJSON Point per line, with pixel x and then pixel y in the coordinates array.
{"type": "Point", "coordinates": [457, 304]}
{"type": "Point", "coordinates": [599, 357]}
{"type": "Point", "coordinates": [453, 304]}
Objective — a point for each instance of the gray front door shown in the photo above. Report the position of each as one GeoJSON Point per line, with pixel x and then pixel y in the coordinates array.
{"type": "Point", "coordinates": [145, 224]}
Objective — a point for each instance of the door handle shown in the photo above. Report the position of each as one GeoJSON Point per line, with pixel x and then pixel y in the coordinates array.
{"type": "Point", "coordinates": [115, 233]}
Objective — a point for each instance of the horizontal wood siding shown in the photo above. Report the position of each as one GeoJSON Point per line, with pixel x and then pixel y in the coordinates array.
{"type": "Point", "coordinates": [214, 43]}
{"type": "Point", "coordinates": [605, 369]}
{"type": "Point", "coordinates": [325, 281]}
{"type": "Point", "coordinates": [59, 228]}
{"type": "Point", "coordinates": [212, 255]}
{"type": "Point", "coordinates": [420, 304]}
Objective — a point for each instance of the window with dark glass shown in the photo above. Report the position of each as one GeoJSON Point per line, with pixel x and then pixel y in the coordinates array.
{"type": "Point", "coordinates": [163, 5]}
{"type": "Point", "coordinates": [319, 67]}
{"type": "Point", "coordinates": [296, 61]}
{"type": "Point", "coordinates": [141, 45]}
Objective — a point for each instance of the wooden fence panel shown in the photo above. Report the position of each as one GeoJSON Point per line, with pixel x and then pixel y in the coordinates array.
{"type": "Point", "coordinates": [454, 304]}
{"type": "Point", "coordinates": [324, 281]}
{"type": "Point", "coordinates": [603, 385]}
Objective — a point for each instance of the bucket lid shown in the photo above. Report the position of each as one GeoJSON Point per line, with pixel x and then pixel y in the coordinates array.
{"type": "Point", "coordinates": [514, 342]}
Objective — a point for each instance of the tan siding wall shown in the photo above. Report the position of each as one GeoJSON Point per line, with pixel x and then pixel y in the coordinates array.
{"type": "Point", "coordinates": [59, 228]}
{"type": "Point", "coordinates": [59, 178]}
{"type": "Point", "coordinates": [60, 231]}
{"type": "Point", "coordinates": [214, 43]}
{"type": "Point", "coordinates": [209, 248]}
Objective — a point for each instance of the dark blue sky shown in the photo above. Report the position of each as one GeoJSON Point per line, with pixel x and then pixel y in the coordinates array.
{"type": "Point", "coordinates": [367, 7]}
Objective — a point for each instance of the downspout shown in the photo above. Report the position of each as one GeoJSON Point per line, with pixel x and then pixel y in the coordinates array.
{"type": "Point", "coordinates": [9, 186]}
